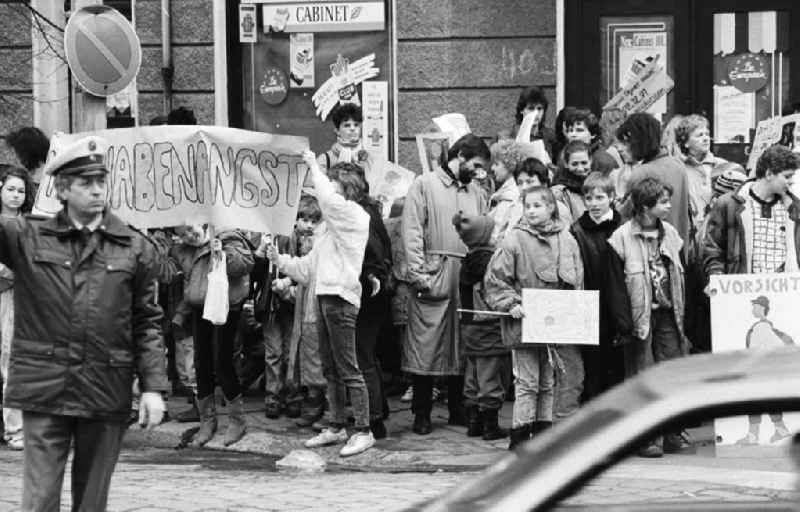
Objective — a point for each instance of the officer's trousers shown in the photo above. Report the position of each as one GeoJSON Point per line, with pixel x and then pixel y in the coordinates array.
{"type": "Point", "coordinates": [47, 445]}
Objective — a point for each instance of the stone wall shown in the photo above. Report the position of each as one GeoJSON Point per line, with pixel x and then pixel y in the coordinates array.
{"type": "Point", "coordinates": [472, 57]}
{"type": "Point", "coordinates": [16, 103]}
{"type": "Point", "coordinates": [192, 58]}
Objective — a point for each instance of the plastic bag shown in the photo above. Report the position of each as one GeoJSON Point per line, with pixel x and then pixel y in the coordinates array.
{"type": "Point", "coordinates": [215, 308]}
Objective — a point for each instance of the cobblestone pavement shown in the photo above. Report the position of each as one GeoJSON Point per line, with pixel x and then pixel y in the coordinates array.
{"type": "Point", "coordinates": [165, 480]}
{"type": "Point", "coordinates": [401, 471]}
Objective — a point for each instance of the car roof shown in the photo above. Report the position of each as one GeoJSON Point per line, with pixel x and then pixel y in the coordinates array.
{"type": "Point", "coordinates": [561, 456]}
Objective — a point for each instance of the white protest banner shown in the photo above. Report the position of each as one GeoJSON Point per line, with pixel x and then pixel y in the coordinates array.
{"type": "Point", "coordinates": [565, 317]}
{"type": "Point", "coordinates": [455, 125]}
{"type": "Point", "coordinates": [773, 131]}
{"type": "Point", "coordinates": [388, 182]}
{"type": "Point", "coordinates": [639, 95]}
{"type": "Point", "coordinates": [755, 312]}
{"type": "Point", "coordinates": [162, 176]}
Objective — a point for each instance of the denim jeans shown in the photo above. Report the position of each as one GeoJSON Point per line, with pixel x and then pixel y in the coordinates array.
{"type": "Point", "coordinates": [483, 381]}
{"type": "Point", "coordinates": [277, 335]}
{"type": "Point", "coordinates": [534, 381]}
{"type": "Point", "coordinates": [213, 355]}
{"type": "Point", "coordinates": [569, 381]}
{"type": "Point", "coordinates": [663, 343]}
{"type": "Point", "coordinates": [12, 418]}
{"type": "Point", "coordinates": [337, 349]}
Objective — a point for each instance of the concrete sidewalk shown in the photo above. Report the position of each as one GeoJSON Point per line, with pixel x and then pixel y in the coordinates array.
{"type": "Point", "coordinates": [447, 447]}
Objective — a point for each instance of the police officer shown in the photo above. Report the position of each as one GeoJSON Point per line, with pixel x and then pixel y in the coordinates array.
{"type": "Point", "coordinates": [87, 321]}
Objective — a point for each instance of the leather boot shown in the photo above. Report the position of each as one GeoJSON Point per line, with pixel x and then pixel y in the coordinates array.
{"type": "Point", "coordinates": [237, 425]}
{"type": "Point", "coordinates": [539, 427]}
{"type": "Point", "coordinates": [422, 424]}
{"type": "Point", "coordinates": [474, 423]}
{"type": "Point", "coordinates": [208, 421]}
{"type": "Point", "coordinates": [189, 415]}
{"type": "Point", "coordinates": [312, 409]}
{"type": "Point", "coordinates": [458, 416]}
{"type": "Point", "coordinates": [491, 428]}
{"type": "Point", "coordinates": [519, 435]}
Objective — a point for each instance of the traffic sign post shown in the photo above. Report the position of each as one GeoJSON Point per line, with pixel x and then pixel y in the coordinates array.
{"type": "Point", "coordinates": [104, 55]}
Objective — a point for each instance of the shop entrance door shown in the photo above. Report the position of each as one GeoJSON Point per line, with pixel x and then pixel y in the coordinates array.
{"type": "Point", "coordinates": [735, 61]}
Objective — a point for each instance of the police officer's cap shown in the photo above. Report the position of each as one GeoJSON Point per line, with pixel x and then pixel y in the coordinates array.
{"type": "Point", "coordinates": [84, 157]}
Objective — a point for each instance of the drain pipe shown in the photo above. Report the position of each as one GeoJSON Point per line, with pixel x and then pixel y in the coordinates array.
{"type": "Point", "coordinates": [167, 70]}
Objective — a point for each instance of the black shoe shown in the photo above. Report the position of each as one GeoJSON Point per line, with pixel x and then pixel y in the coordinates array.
{"type": "Point", "coordinates": [540, 426]}
{"type": "Point", "coordinates": [491, 428]}
{"type": "Point", "coordinates": [422, 424]}
{"type": "Point", "coordinates": [474, 422]}
{"type": "Point", "coordinates": [678, 443]}
{"type": "Point", "coordinates": [190, 415]}
{"type": "Point", "coordinates": [378, 429]}
{"type": "Point", "coordinates": [519, 435]}
{"type": "Point", "coordinates": [293, 409]}
{"type": "Point", "coordinates": [273, 410]}
{"type": "Point", "coordinates": [457, 416]}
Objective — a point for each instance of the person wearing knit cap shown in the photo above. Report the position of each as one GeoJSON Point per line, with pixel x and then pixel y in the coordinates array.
{"type": "Point", "coordinates": [727, 178]}
{"type": "Point", "coordinates": [486, 356]}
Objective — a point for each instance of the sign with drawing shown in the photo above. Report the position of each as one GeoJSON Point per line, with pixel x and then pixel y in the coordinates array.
{"type": "Point", "coordinates": [162, 176]}
{"type": "Point", "coordinates": [570, 317]}
{"type": "Point", "coordinates": [754, 312]}
{"type": "Point", "coordinates": [341, 87]}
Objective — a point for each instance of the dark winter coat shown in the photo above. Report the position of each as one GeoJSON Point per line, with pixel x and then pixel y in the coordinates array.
{"type": "Point", "coordinates": [592, 241]}
{"type": "Point", "coordinates": [481, 333]}
{"type": "Point", "coordinates": [84, 323]}
{"type": "Point", "coordinates": [377, 262]}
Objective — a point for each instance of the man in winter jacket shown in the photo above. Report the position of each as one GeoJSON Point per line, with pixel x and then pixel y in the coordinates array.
{"type": "Point", "coordinates": [87, 320]}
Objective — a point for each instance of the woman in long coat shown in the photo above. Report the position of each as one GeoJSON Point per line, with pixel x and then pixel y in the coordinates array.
{"type": "Point", "coordinates": [434, 251]}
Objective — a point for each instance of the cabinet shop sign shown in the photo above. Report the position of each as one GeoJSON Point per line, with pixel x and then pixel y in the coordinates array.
{"type": "Point", "coordinates": [162, 176]}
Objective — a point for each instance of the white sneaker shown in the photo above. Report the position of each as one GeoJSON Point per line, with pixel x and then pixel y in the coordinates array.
{"type": "Point", "coordinates": [408, 395]}
{"type": "Point", "coordinates": [326, 437]}
{"type": "Point", "coordinates": [16, 443]}
{"type": "Point", "coordinates": [358, 442]}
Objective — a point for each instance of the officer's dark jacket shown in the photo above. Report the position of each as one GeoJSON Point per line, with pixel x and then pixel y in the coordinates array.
{"type": "Point", "coordinates": [83, 322]}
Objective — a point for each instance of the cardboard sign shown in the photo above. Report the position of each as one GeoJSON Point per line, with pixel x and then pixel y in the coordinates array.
{"type": "Point", "coordinates": [562, 317]}
{"type": "Point", "coordinates": [638, 95]}
{"type": "Point", "coordinates": [773, 131]}
{"type": "Point", "coordinates": [341, 86]}
{"type": "Point", "coordinates": [375, 128]}
{"type": "Point", "coordinates": [162, 176]}
{"type": "Point", "coordinates": [301, 51]}
{"type": "Point", "coordinates": [754, 312]}
{"type": "Point", "coordinates": [430, 147]}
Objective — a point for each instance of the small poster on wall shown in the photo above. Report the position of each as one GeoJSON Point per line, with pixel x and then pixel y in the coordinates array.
{"type": "Point", "coordinates": [301, 51]}
{"type": "Point", "coordinates": [375, 128]}
{"type": "Point", "coordinates": [754, 312]}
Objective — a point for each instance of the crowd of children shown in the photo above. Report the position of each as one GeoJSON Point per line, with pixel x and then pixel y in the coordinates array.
{"type": "Point", "coordinates": [351, 302]}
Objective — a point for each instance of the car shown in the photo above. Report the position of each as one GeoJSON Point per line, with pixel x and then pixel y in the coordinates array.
{"type": "Point", "coordinates": [559, 462]}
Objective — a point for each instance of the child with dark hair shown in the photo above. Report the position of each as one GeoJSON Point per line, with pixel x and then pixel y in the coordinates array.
{"type": "Point", "coordinates": [582, 125]}
{"type": "Point", "coordinates": [31, 146]}
{"type": "Point", "coordinates": [484, 389]}
{"type": "Point", "coordinates": [346, 120]}
{"type": "Point", "coordinates": [182, 116]}
{"type": "Point", "coordinates": [646, 290]}
{"type": "Point", "coordinates": [604, 364]}
{"type": "Point", "coordinates": [538, 252]}
{"type": "Point", "coordinates": [577, 164]}
{"type": "Point", "coordinates": [639, 139]}
{"type": "Point", "coordinates": [532, 173]}
{"type": "Point", "coordinates": [532, 104]}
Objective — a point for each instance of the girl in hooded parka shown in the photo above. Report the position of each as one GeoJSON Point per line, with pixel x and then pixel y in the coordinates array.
{"type": "Point", "coordinates": [539, 252]}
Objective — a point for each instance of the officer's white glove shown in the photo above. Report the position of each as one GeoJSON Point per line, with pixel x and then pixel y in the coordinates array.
{"type": "Point", "coordinates": [151, 409]}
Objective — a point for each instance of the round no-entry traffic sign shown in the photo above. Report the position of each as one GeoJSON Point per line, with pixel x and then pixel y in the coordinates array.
{"type": "Point", "coordinates": [103, 50]}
